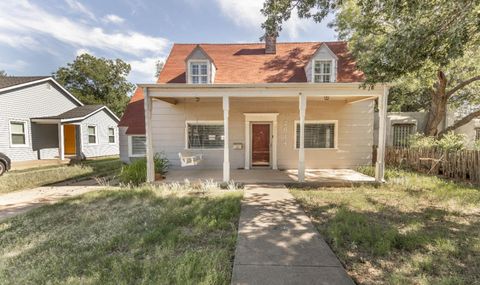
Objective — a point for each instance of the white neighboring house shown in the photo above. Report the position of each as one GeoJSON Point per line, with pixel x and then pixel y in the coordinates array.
{"type": "Point", "coordinates": [39, 119]}
{"type": "Point", "coordinates": [256, 106]}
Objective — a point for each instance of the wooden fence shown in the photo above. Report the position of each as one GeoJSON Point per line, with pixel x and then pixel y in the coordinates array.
{"type": "Point", "coordinates": [461, 165]}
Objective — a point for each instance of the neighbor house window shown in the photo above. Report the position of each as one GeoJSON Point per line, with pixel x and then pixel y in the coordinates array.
{"type": "Point", "coordinates": [322, 71]}
{"type": "Point", "coordinates": [111, 135]}
{"type": "Point", "coordinates": [477, 134]}
{"type": "Point", "coordinates": [401, 134]}
{"type": "Point", "coordinates": [317, 135]}
{"type": "Point", "coordinates": [92, 134]}
{"type": "Point", "coordinates": [18, 133]}
{"type": "Point", "coordinates": [138, 146]}
{"type": "Point", "coordinates": [204, 135]}
{"type": "Point", "coordinates": [199, 72]}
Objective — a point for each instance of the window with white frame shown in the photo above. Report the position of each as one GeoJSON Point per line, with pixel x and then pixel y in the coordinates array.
{"type": "Point", "coordinates": [111, 135]}
{"type": "Point", "coordinates": [401, 134]}
{"type": "Point", "coordinates": [207, 135]}
{"type": "Point", "coordinates": [322, 71]}
{"type": "Point", "coordinates": [317, 135]}
{"type": "Point", "coordinates": [92, 134]}
{"type": "Point", "coordinates": [18, 133]}
{"type": "Point", "coordinates": [138, 146]}
{"type": "Point", "coordinates": [199, 72]}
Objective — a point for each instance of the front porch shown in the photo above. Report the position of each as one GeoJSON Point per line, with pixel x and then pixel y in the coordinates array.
{"type": "Point", "coordinates": [321, 177]}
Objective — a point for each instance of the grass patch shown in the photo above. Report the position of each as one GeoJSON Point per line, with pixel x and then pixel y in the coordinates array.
{"type": "Point", "coordinates": [415, 229]}
{"type": "Point", "coordinates": [136, 236]}
{"type": "Point", "coordinates": [24, 179]}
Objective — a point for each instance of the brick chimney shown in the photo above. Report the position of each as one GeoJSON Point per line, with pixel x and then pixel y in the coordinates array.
{"type": "Point", "coordinates": [270, 44]}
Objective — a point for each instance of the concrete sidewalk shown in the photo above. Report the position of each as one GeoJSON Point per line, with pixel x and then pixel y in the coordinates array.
{"type": "Point", "coordinates": [278, 244]}
{"type": "Point", "coordinates": [17, 202]}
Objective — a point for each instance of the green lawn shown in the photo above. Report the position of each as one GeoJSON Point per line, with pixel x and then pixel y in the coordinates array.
{"type": "Point", "coordinates": [24, 179]}
{"type": "Point", "coordinates": [136, 236]}
{"type": "Point", "coordinates": [413, 230]}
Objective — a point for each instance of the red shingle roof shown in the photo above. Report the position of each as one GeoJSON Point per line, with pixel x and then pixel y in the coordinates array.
{"type": "Point", "coordinates": [244, 63]}
{"type": "Point", "coordinates": [248, 63]}
{"type": "Point", "coordinates": [134, 116]}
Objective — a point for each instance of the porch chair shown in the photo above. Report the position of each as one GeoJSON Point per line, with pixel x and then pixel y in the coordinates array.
{"type": "Point", "coordinates": [189, 159]}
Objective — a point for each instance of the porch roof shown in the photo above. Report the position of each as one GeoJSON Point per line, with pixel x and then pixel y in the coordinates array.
{"type": "Point", "coordinates": [75, 114]}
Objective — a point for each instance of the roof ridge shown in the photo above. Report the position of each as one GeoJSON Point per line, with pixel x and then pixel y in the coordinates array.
{"type": "Point", "coordinates": [260, 43]}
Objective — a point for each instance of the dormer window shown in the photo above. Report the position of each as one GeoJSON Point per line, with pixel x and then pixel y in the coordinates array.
{"type": "Point", "coordinates": [199, 72]}
{"type": "Point", "coordinates": [322, 71]}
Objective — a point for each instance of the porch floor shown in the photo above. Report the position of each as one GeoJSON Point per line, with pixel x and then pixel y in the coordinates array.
{"type": "Point", "coordinates": [327, 177]}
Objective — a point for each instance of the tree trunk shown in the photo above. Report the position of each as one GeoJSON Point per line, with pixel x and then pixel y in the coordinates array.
{"type": "Point", "coordinates": [438, 107]}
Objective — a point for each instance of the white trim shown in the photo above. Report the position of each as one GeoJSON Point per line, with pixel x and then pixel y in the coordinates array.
{"type": "Point", "coordinates": [332, 72]}
{"type": "Point", "coordinates": [199, 61]}
{"type": "Point", "coordinates": [55, 121]}
{"type": "Point", "coordinates": [226, 141]}
{"type": "Point", "coordinates": [96, 135]}
{"type": "Point", "coordinates": [204, 122]}
{"type": "Point", "coordinates": [26, 131]}
{"type": "Point", "coordinates": [41, 81]}
{"type": "Point", "coordinates": [335, 139]}
{"type": "Point", "coordinates": [130, 146]}
{"type": "Point", "coordinates": [259, 118]}
{"type": "Point", "coordinates": [114, 135]}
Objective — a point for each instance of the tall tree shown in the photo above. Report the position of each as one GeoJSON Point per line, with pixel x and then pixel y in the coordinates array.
{"type": "Point", "coordinates": [97, 81]}
{"type": "Point", "coordinates": [396, 39]}
{"type": "Point", "coordinates": [3, 73]}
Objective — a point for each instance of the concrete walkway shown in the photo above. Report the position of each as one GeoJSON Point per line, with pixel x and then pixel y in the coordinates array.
{"type": "Point", "coordinates": [278, 244]}
{"type": "Point", "coordinates": [17, 202]}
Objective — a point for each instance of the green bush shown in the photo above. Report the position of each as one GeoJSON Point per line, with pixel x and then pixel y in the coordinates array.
{"type": "Point", "coordinates": [136, 172]}
{"type": "Point", "coordinates": [449, 141]}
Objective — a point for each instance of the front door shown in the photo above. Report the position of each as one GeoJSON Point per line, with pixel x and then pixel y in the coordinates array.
{"type": "Point", "coordinates": [260, 144]}
{"type": "Point", "coordinates": [70, 141]}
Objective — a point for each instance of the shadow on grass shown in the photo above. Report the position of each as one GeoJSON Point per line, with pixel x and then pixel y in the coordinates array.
{"type": "Point", "coordinates": [124, 236]}
{"type": "Point", "coordinates": [394, 246]}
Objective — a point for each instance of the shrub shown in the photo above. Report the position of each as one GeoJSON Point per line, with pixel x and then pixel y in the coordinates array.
{"type": "Point", "coordinates": [452, 141]}
{"type": "Point", "coordinates": [136, 172]}
{"type": "Point", "coordinates": [449, 141]}
{"type": "Point", "coordinates": [161, 163]}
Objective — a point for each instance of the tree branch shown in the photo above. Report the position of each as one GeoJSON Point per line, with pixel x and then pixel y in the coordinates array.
{"type": "Point", "coordinates": [462, 84]}
{"type": "Point", "coordinates": [465, 120]}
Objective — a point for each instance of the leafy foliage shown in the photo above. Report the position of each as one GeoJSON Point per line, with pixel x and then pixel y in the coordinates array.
{"type": "Point", "coordinates": [97, 81]}
{"type": "Point", "coordinates": [136, 172]}
{"type": "Point", "coordinates": [449, 141]}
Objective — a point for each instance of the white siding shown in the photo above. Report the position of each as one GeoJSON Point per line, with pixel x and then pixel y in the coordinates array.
{"type": "Point", "coordinates": [102, 120]}
{"type": "Point", "coordinates": [323, 53]}
{"type": "Point", "coordinates": [22, 104]}
{"type": "Point", "coordinates": [123, 144]}
{"type": "Point", "coordinates": [355, 131]}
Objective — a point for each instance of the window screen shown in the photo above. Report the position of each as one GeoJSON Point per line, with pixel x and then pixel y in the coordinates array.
{"type": "Point", "coordinates": [92, 134]}
{"type": "Point", "coordinates": [139, 145]}
{"type": "Point", "coordinates": [111, 135]}
{"type": "Point", "coordinates": [205, 136]}
{"type": "Point", "coordinates": [322, 71]}
{"type": "Point", "coordinates": [401, 134]}
{"type": "Point", "coordinates": [199, 72]}
{"type": "Point", "coordinates": [17, 130]}
{"type": "Point", "coordinates": [317, 135]}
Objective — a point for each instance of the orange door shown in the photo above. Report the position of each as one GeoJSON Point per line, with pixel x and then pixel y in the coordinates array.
{"type": "Point", "coordinates": [260, 145]}
{"type": "Point", "coordinates": [70, 141]}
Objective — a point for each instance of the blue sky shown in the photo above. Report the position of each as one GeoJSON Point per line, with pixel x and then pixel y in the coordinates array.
{"type": "Point", "coordinates": [38, 36]}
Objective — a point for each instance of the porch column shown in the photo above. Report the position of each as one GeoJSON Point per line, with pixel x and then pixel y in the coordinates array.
{"type": "Point", "coordinates": [61, 142]}
{"type": "Point", "coordinates": [148, 136]}
{"type": "Point", "coordinates": [301, 150]}
{"type": "Point", "coordinates": [226, 150]}
{"type": "Point", "coordinates": [382, 113]}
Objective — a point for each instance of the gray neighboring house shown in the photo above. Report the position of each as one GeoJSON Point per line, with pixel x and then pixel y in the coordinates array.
{"type": "Point", "coordinates": [39, 119]}
{"type": "Point", "coordinates": [400, 125]}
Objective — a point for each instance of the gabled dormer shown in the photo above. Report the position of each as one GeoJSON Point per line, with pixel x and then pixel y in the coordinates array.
{"type": "Point", "coordinates": [200, 67]}
{"type": "Point", "coordinates": [322, 66]}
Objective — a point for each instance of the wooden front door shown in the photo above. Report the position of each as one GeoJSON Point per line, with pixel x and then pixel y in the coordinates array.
{"type": "Point", "coordinates": [260, 144]}
{"type": "Point", "coordinates": [70, 139]}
